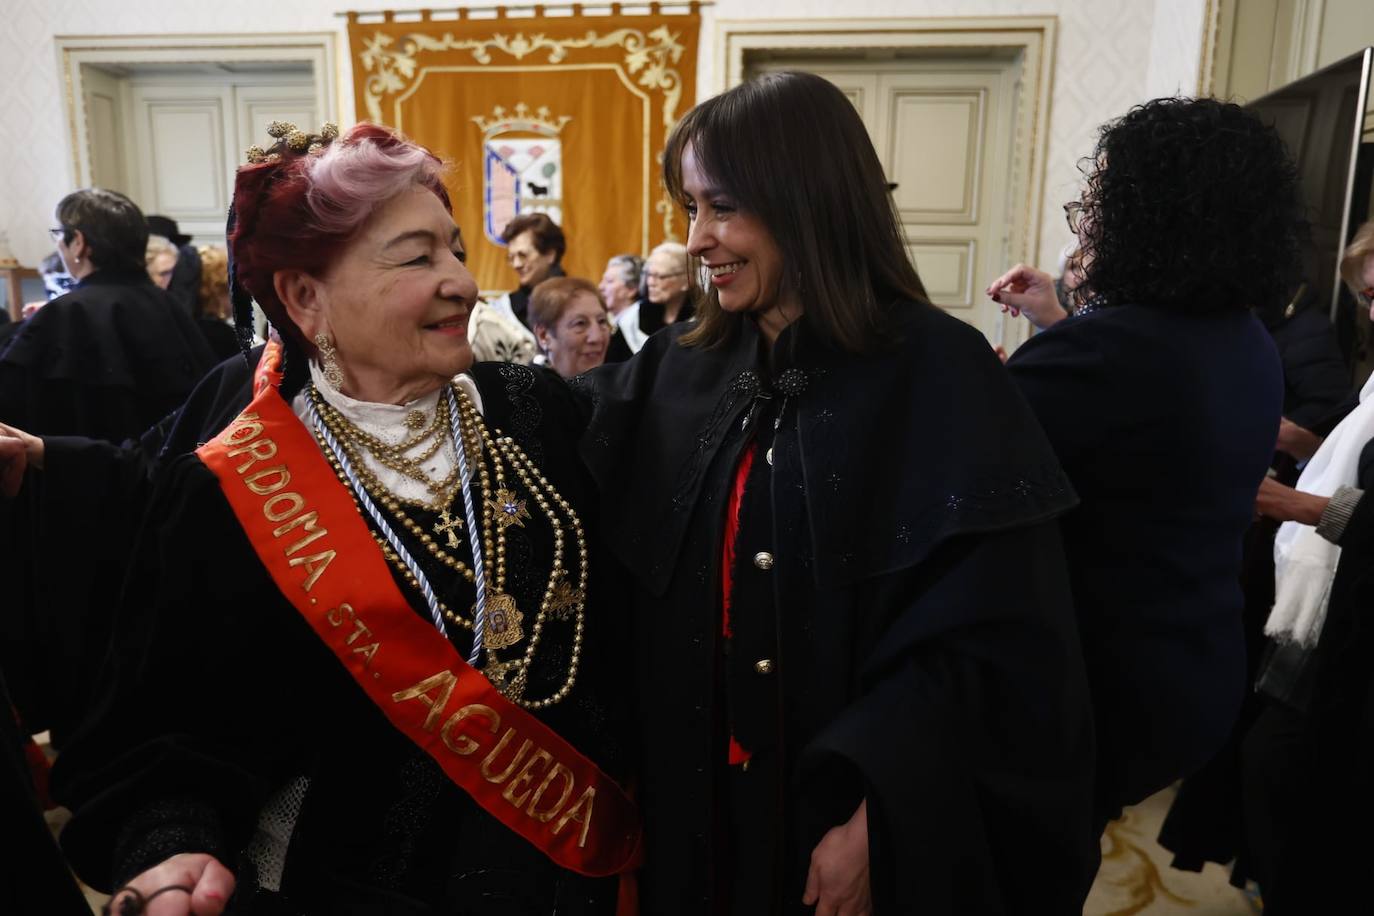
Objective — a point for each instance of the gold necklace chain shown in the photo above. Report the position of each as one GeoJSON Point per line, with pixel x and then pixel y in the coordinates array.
{"type": "Point", "coordinates": [559, 600]}
{"type": "Point", "coordinates": [356, 440]}
{"type": "Point", "coordinates": [437, 430]}
{"type": "Point", "coordinates": [499, 510]}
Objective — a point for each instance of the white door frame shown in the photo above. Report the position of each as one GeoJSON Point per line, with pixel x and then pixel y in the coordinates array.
{"type": "Point", "coordinates": [1032, 37]}
{"type": "Point", "coordinates": [318, 49]}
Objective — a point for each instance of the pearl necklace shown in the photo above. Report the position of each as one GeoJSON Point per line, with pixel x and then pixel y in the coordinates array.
{"type": "Point", "coordinates": [561, 601]}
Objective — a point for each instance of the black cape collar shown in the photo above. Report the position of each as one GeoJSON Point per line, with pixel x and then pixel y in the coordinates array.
{"type": "Point", "coordinates": [899, 451]}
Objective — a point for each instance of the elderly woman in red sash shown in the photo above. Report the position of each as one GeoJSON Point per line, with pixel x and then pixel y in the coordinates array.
{"type": "Point", "coordinates": [362, 672]}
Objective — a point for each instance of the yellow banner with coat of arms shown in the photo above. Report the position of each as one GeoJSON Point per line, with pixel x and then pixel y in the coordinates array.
{"type": "Point", "coordinates": [565, 115]}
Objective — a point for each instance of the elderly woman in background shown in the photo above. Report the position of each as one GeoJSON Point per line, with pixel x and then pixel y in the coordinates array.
{"type": "Point", "coordinates": [1163, 404]}
{"type": "Point", "coordinates": [670, 299]}
{"type": "Point", "coordinates": [160, 257]}
{"type": "Point", "coordinates": [620, 283]}
{"type": "Point", "coordinates": [185, 279]}
{"type": "Point", "coordinates": [535, 246]}
{"type": "Point", "coordinates": [571, 324]}
{"type": "Point", "coordinates": [844, 700]}
{"type": "Point", "coordinates": [412, 711]}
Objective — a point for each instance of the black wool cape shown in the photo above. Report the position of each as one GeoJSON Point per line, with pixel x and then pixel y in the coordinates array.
{"type": "Point", "coordinates": [918, 619]}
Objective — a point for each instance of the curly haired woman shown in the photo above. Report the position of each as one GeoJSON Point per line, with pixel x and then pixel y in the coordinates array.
{"type": "Point", "coordinates": [1163, 406]}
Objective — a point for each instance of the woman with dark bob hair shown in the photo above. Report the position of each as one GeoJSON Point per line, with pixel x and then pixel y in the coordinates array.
{"type": "Point", "coordinates": [359, 671]}
{"type": "Point", "coordinates": [843, 699]}
{"type": "Point", "coordinates": [1163, 404]}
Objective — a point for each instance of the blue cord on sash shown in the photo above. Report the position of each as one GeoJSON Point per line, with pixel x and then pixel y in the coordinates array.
{"type": "Point", "coordinates": [479, 621]}
{"type": "Point", "coordinates": [366, 501]}
{"type": "Point", "coordinates": [479, 616]}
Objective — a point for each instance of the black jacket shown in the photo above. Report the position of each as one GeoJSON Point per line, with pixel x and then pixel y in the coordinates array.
{"type": "Point", "coordinates": [520, 298]}
{"type": "Point", "coordinates": [57, 626]}
{"type": "Point", "coordinates": [906, 667]}
{"type": "Point", "coordinates": [1317, 391]}
{"type": "Point", "coordinates": [1165, 423]}
{"type": "Point", "coordinates": [107, 360]}
{"type": "Point", "coordinates": [33, 876]}
{"type": "Point", "coordinates": [1318, 869]}
{"type": "Point", "coordinates": [99, 365]}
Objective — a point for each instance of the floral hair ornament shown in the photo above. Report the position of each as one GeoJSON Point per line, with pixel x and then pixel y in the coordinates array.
{"type": "Point", "coordinates": [292, 140]}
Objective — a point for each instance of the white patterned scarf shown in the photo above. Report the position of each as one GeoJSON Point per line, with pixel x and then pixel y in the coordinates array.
{"type": "Point", "coordinates": [1304, 561]}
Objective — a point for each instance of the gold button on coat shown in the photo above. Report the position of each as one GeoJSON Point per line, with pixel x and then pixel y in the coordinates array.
{"type": "Point", "coordinates": [763, 560]}
{"type": "Point", "coordinates": [764, 666]}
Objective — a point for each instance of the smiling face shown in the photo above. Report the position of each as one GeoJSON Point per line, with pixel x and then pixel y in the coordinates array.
{"type": "Point", "coordinates": [395, 302]}
{"type": "Point", "coordinates": [743, 259]}
{"type": "Point", "coordinates": [529, 264]}
{"type": "Point", "coordinates": [578, 340]}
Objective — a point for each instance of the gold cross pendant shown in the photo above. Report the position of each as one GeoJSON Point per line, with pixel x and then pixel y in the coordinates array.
{"type": "Point", "coordinates": [507, 509]}
{"type": "Point", "coordinates": [445, 525]}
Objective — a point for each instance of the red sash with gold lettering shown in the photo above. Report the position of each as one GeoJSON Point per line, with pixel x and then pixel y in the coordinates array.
{"type": "Point", "coordinates": [307, 532]}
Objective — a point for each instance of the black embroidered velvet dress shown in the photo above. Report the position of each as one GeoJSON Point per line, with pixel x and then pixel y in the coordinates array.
{"type": "Point", "coordinates": [901, 628]}
{"type": "Point", "coordinates": [227, 715]}
{"type": "Point", "coordinates": [91, 369]}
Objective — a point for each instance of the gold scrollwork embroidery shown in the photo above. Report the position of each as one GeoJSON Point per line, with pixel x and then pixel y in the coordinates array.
{"type": "Point", "coordinates": [650, 58]}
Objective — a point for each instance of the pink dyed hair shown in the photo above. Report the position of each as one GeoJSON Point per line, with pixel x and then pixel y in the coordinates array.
{"type": "Point", "coordinates": [300, 212]}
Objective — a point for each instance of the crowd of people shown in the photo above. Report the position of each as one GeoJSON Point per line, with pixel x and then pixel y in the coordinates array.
{"type": "Point", "coordinates": [743, 581]}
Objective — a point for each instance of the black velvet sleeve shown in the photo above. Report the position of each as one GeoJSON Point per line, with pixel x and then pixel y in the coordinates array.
{"type": "Point", "coordinates": [207, 693]}
{"type": "Point", "coordinates": [66, 541]}
{"type": "Point", "coordinates": [972, 737]}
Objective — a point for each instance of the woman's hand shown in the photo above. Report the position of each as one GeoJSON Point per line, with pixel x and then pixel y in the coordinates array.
{"type": "Point", "coordinates": [190, 883]}
{"type": "Point", "coordinates": [18, 451]}
{"type": "Point", "coordinates": [1025, 289]}
{"type": "Point", "coordinates": [1285, 504]}
{"type": "Point", "coordinates": [837, 883]}
{"type": "Point", "coordinates": [1296, 440]}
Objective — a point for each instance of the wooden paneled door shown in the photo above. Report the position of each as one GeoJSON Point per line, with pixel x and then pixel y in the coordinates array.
{"type": "Point", "coordinates": [171, 138]}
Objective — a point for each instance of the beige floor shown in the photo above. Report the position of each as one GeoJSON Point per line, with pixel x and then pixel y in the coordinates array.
{"type": "Point", "coordinates": [1135, 877]}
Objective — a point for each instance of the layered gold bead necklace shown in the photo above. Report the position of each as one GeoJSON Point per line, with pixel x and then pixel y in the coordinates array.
{"type": "Point", "coordinates": [346, 445]}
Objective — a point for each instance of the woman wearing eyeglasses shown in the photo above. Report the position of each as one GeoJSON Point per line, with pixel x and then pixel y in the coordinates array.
{"type": "Point", "coordinates": [1163, 406]}
{"type": "Point", "coordinates": [111, 357]}
{"type": "Point", "coordinates": [669, 301]}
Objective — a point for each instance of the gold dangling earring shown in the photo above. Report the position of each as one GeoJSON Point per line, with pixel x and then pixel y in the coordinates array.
{"type": "Point", "coordinates": [329, 362]}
